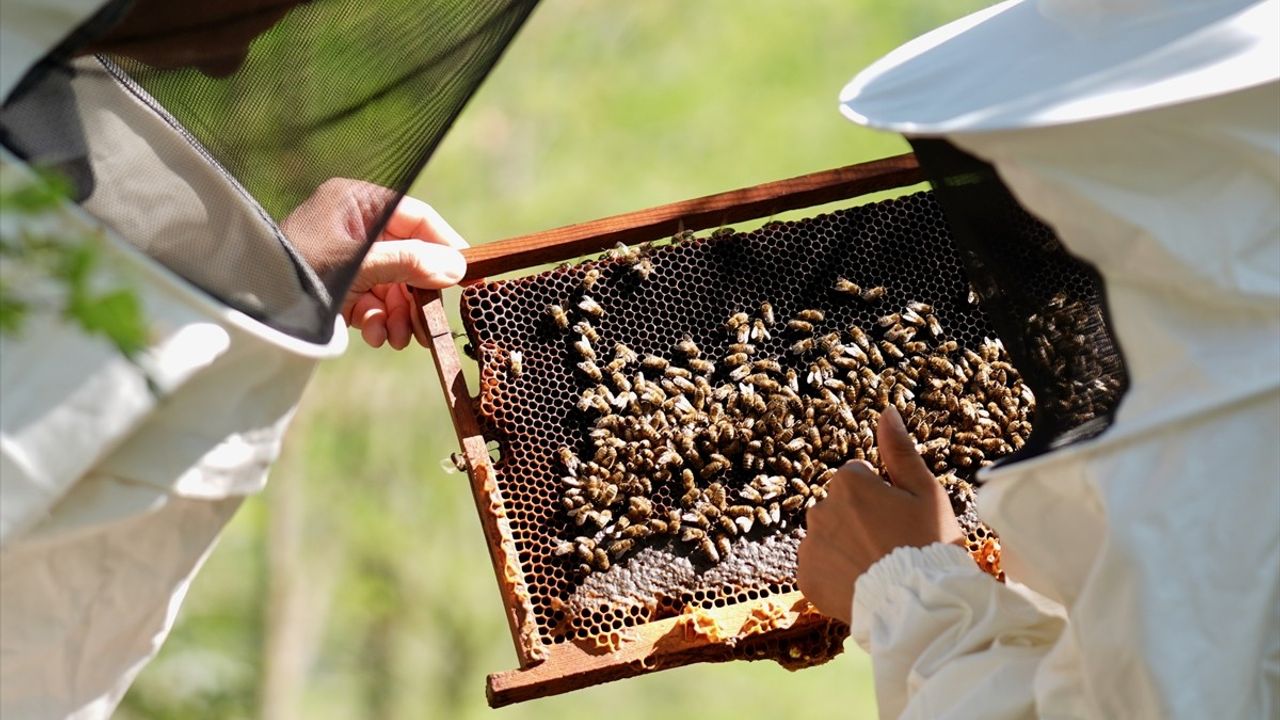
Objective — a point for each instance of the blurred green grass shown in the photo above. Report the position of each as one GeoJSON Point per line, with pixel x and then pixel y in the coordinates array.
{"type": "Point", "coordinates": [359, 585]}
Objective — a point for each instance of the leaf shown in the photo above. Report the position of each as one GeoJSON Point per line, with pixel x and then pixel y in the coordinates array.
{"type": "Point", "coordinates": [117, 315]}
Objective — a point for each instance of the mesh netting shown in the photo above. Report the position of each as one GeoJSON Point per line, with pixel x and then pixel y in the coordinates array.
{"type": "Point", "coordinates": [201, 128]}
{"type": "Point", "coordinates": [1048, 307]}
{"type": "Point", "coordinates": [577, 469]}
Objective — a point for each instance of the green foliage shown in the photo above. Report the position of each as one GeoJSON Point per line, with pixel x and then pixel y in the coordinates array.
{"type": "Point", "coordinates": [45, 264]}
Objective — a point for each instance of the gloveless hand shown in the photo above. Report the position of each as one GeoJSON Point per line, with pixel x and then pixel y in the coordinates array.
{"type": "Point", "coordinates": [866, 516]}
{"type": "Point", "coordinates": [416, 248]}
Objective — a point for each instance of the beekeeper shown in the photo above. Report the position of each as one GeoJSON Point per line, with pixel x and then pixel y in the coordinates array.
{"type": "Point", "coordinates": [249, 195]}
{"type": "Point", "coordinates": [1143, 561]}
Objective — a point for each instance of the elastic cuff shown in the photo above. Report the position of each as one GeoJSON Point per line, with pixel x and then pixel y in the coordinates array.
{"type": "Point", "coordinates": [898, 566]}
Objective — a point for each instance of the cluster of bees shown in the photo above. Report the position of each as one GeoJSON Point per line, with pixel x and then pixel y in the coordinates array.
{"type": "Point", "coordinates": [745, 442]}
{"type": "Point", "coordinates": [1063, 340]}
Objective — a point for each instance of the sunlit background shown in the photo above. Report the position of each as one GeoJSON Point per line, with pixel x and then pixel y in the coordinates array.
{"type": "Point", "coordinates": [358, 585]}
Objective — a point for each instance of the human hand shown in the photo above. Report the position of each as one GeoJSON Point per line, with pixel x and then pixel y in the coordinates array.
{"type": "Point", "coordinates": [863, 518]}
{"type": "Point", "coordinates": [416, 248]}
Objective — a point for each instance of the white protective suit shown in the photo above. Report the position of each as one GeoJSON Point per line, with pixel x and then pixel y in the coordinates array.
{"type": "Point", "coordinates": [112, 492]}
{"type": "Point", "coordinates": [1144, 563]}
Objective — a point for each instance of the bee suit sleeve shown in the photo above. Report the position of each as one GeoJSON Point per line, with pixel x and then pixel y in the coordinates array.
{"type": "Point", "coordinates": [1153, 550]}
{"type": "Point", "coordinates": [117, 474]}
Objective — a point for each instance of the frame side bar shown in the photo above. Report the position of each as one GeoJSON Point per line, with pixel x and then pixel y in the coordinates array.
{"type": "Point", "coordinates": [497, 532]}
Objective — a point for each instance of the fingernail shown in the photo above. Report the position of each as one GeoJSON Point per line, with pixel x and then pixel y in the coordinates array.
{"type": "Point", "coordinates": [452, 266]}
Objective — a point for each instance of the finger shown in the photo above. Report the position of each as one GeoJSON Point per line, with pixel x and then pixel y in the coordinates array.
{"type": "Point", "coordinates": [413, 218]}
{"type": "Point", "coordinates": [369, 314]}
{"type": "Point", "coordinates": [854, 479]}
{"type": "Point", "coordinates": [907, 470]}
{"type": "Point", "coordinates": [364, 305]}
{"type": "Point", "coordinates": [412, 262]}
{"type": "Point", "coordinates": [398, 330]}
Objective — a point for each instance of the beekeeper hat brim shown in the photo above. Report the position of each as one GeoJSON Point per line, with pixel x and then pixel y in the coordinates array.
{"type": "Point", "coordinates": [1023, 64]}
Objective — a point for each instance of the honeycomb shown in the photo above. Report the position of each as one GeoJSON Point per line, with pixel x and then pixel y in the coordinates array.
{"type": "Point", "coordinates": [683, 292]}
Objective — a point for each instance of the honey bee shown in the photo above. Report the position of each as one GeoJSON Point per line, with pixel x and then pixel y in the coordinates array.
{"type": "Point", "coordinates": [643, 268]}
{"type": "Point", "coordinates": [688, 347]}
{"type": "Point", "coordinates": [568, 459]}
{"type": "Point", "coordinates": [767, 365]}
{"type": "Point", "coordinates": [623, 253]}
{"type": "Point", "coordinates": [556, 313]}
{"type": "Point", "coordinates": [915, 346]}
{"type": "Point", "coordinates": [911, 317]}
{"type": "Point", "coordinates": [920, 307]}
{"type": "Point", "coordinates": [737, 320]}
{"type": "Point", "coordinates": [763, 381]}
{"type": "Point", "coordinates": [745, 348]}
{"type": "Point", "coordinates": [516, 360]}
{"type": "Point", "coordinates": [948, 347]}
{"type": "Point", "coordinates": [935, 327]}
{"type": "Point", "coordinates": [940, 365]}
{"type": "Point", "coordinates": [891, 350]}
{"type": "Point", "coordinates": [874, 295]}
{"type": "Point", "coordinates": [600, 560]}
{"type": "Point", "coordinates": [590, 278]}
{"type": "Point", "coordinates": [620, 381]}
{"type": "Point", "coordinates": [674, 372]}
{"type": "Point", "coordinates": [793, 503]}
{"type": "Point", "coordinates": [898, 333]}
{"type": "Point", "coordinates": [583, 347]}
{"type": "Point", "coordinates": [585, 329]}
{"type": "Point", "coordinates": [847, 287]}
{"type": "Point", "coordinates": [736, 359]}
{"type": "Point", "coordinates": [814, 316]}
{"type": "Point", "coordinates": [618, 548]}
{"type": "Point", "coordinates": [802, 346]}
{"type": "Point", "coordinates": [766, 313]}
{"type": "Point", "coordinates": [590, 307]}
{"type": "Point", "coordinates": [800, 326]}
{"type": "Point", "coordinates": [623, 353]}
{"type": "Point", "coordinates": [591, 370]}
{"type": "Point", "coordinates": [692, 534]}
{"type": "Point", "coordinates": [708, 550]}
{"type": "Point", "coordinates": [830, 343]}
{"type": "Point", "coordinates": [639, 508]}
{"type": "Point", "coordinates": [705, 367]}
{"type": "Point", "coordinates": [759, 331]}
{"type": "Point", "coordinates": [856, 357]}
{"type": "Point", "coordinates": [723, 545]}
{"type": "Point", "coordinates": [654, 362]}
{"type": "Point", "coordinates": [792, 380]}
{"type": "Point", "coordinates": [763, 517]}
{"type": "Point", "coordinates": [719, 463]}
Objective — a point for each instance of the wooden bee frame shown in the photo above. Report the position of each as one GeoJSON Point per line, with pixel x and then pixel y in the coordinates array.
{"type": "Point", "coordinates": [705, 635]}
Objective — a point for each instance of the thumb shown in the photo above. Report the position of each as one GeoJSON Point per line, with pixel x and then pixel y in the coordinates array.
{"type": "Point", "coordinates": [414, 262]}
{"type": "Point", "coordinates": [906, 468]}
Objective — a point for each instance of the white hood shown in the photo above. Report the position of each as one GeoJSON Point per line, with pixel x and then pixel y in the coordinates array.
{"type": "Point", "coordinates": [29, 29]}
{"type": "Point", "coordinates": [1025, 63]}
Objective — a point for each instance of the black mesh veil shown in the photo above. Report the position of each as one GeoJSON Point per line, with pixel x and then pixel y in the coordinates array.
{"type": "Point", "coordinates": [1047, 306]}
{"type": "Point", "coordinates": [197, 130]}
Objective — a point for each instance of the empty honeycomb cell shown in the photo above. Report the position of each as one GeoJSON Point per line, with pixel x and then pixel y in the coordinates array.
{"type": "Point", "coordinates": [901, 245]}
